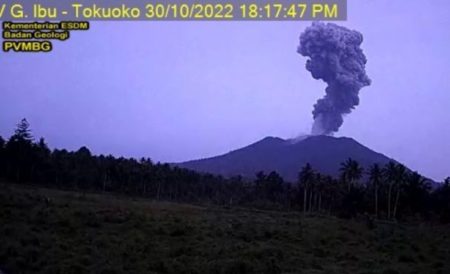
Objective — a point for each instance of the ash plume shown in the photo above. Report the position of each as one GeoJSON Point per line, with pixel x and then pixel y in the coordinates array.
{"type": "Point", "coordinates": [335, 57]}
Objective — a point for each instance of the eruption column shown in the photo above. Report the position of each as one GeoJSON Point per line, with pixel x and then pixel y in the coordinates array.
{"type": "Point", "coordinates": [335, 57]}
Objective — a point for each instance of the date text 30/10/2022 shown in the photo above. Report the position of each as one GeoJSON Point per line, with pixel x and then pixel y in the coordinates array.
{"type": "Point", "coordinates": [195, 11]}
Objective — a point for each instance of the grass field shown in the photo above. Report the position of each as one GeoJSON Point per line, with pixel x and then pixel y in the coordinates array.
{"type": "Point", "coordinates": [50, 231]}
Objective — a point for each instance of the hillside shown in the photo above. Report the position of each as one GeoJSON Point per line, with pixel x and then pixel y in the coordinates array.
{"type": "Point", "coordinates": [51, 231]}
{"type": "Point", "coordinates": [287, 157]}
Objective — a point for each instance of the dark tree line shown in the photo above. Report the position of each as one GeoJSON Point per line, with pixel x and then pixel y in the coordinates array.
{"type": "Point", "coordinates": [387, 192]}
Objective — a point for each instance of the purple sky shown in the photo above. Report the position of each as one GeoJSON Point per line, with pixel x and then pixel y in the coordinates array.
{"type": "Point", "coordinates": [176, 91]}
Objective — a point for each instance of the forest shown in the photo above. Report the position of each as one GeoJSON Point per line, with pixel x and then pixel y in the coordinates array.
{"type": "Point", "coordinates": [391, 192]}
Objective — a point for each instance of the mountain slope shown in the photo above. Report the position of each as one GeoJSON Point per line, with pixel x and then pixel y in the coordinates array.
{"type": "Point", "coordinates": [287, 157]}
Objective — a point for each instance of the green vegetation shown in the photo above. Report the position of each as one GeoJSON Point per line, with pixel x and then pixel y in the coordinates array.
{"type": "Point", "coordinates": [391, 192]}
{"type": "Point", "coordinates": [117, 215]}
{"type": "Point", "coordinates": [52, 231]}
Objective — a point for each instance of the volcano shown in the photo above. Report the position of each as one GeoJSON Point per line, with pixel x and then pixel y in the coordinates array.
{"type": "Point", "coordinates": [287, 157]}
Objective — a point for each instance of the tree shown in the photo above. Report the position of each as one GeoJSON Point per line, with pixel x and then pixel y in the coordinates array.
{"type": "Point", "coordinates": [416, 190]}
{"type": "Point", "coordinates": [24, 160]}
{"type": "Point", "coordinates": [321, 186]}
{"type": "Point", "coordinates": [330, 192]}
{"type": "Point", "coordinates": [2, 156]}
{"type": "Point", "coordinates": [441, 201]}
{"type": "Point", "coordinates": [389, 172]}
{"type": "Point", "coordinates": [40, 161]}
{"type": "Point", "coordinates": [19, 149]}
{"type": "Point", "coordinates": [375, 177]}
{"type": "Point", "coordinates": [273, 186]}
{"type": "Point", "coordinates": [259, 184]}
{"type": "Point", "coordinates": [314, 193]}
{"type": "Point", "coordinates": [146, 165]}
{"type": "Point", "coordinates": [84, 170]}
{"type": "Point", "coordinates": [304, 179]}
{"type": "Point", "coordinates": [400, 176]}
{"type": "Point", "coordinates": [351, 171]}
{"type": "Point", "coordinates": [23, 130]}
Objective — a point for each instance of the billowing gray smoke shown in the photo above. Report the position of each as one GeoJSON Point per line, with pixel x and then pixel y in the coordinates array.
{"type": "Point", "coordinates": [335, 57]}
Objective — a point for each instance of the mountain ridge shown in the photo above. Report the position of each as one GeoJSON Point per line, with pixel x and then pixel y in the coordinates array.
{"type": "Point", "coordinates": [287, 157]}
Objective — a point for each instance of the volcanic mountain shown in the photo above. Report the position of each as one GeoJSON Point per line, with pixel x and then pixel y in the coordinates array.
{"type": "Point", "coordinates": [287, 157]}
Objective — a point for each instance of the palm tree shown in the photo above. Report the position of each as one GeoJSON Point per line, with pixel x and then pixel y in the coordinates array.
{"type": "Point", "coordinates": [375, 177]}
{"type": "Point", "coordinates": [389, 172]}
{"type": "Point", "coordinates": [447, 181]}
{"type": "Point", "coordinates": [314, 191]}
{"type": "Point", "coordinates": [416, 189]}
{"type": "Point", "coordinates": [351, 171]}
{"type": "Point", "coordinates": [330, 191]}
{"type": "Point", "coordinates": [321, 184]}
{"type": "Point", "coordinates": [400, 177]}
{"type": "Point", "coordinates": [304, 178]}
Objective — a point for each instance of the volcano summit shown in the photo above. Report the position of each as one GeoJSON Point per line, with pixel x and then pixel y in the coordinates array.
{"type": "Point", "coordinates": [287, 157]}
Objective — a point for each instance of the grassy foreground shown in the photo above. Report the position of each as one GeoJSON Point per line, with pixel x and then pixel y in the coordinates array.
{"type": "Point", "coordinates": [50, 231]}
